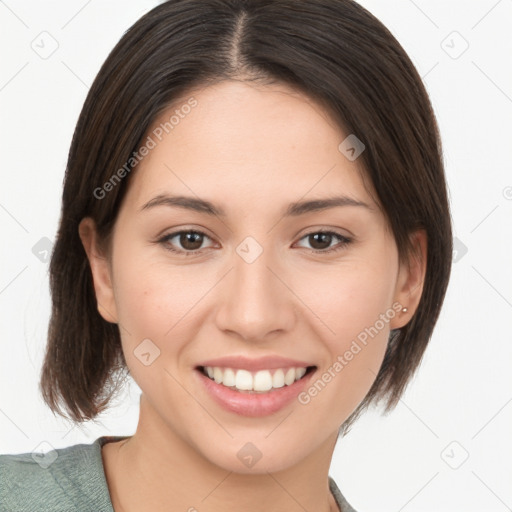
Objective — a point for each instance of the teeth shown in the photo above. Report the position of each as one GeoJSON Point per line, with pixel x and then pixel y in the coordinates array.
{"type": "Point", "coordinates": [217, 375]}
{"type": "Point", "coordinates": [229, 378]}
{"type": "Point", "coordinates": [243, 380]}
{"type": "Point", "coordinates": [289, 377]}
{"type": "Point", "coordinates": [300, 373]}
{"type": "Point", "coordinates": [278, 379]}
{"type": "Point", "coordinates": [259, 382]}
{"type": "Point", "coordinates": [262, 381]}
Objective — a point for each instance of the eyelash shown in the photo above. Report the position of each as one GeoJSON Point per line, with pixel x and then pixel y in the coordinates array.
{"type": "Point", "coordinates": [344, 241]}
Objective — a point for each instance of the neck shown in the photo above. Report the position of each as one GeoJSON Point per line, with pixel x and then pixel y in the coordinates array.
{"type": "Point", "coordinates": [156, 467]}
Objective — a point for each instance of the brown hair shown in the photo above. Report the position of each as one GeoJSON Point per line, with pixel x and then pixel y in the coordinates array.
{"type": "Point", "coordinates": [334, 51]}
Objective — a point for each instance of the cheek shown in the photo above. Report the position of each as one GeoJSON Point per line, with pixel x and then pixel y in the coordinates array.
{"type": "Point", "coordinates": [350, 297]}
{"type": "Point", "coordinates": [152, 298]}
{"type": "Point", "coordinates": [157, 302]}
{"type": "Point", "coordinates": [353, 309]}
{"type": "Point", "coordinates": [149, 305]}
{"type": "Point", "coordinates": [356, 348]}
{"type": "Point", "coordinates": [151, 308]}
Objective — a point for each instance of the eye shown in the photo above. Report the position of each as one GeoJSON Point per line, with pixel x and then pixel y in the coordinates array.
{"type": "Point", "coordinates": [323, 239]}
{"type": "Point", "coordinates": [190, 241]}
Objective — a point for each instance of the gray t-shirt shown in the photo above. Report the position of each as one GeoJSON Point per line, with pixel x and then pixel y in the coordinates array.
{"type": "Point", "coordinates": [68, 480]}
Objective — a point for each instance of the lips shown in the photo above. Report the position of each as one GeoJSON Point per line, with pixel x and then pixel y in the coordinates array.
{"type": "Point", "coordinates": [254, 387]}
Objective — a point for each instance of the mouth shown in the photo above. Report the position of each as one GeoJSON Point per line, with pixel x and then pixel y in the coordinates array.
{"type": "Point", "coordinates": [255, 382]}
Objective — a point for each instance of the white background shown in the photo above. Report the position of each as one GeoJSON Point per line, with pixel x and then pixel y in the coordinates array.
{"type": "Point", "coordinates": [460, 403]}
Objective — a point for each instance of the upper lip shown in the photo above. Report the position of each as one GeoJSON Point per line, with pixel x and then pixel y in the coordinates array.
{"type": "Point", "coordinates": [260, 363]}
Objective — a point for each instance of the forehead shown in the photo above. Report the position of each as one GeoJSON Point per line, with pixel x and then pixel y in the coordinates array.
{"type": "Point", "coordinates": [246, 145]}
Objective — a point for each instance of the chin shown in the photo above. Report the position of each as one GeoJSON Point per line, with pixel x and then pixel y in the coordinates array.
{"type": "Point", "coordinates": [243, 456]}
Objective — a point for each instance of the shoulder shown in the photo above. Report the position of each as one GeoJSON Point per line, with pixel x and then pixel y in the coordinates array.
{"type": "Point", "coordinates": [66, 479]}
{"type": "Point", "coordinates": [342, 503]}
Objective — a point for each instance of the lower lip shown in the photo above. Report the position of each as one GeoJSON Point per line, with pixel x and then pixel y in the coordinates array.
{"type": "Point", "coordinates": [254, 404]}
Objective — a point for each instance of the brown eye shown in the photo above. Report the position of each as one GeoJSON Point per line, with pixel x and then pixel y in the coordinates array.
{"type": "Point", "coordinates": [320, 241]}
{"type": "Point", "coordinates": [187, 242]}
{"type": "Point", "coordinates": [191, 240]}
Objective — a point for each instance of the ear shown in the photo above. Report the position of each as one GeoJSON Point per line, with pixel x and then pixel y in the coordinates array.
{"type": "Point", "coordinates": [411, 276]}
{"type": "Point", "coordinates": [100, 268]}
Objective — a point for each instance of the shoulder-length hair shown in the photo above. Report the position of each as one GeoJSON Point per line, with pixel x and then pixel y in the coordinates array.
{"type": "Point", "coordinates": [337, 53]}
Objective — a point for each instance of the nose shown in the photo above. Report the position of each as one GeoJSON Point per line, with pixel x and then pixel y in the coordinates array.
{"type": "Point", "coordinates": [255, 302]}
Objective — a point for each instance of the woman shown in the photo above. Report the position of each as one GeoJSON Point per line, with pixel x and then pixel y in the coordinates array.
{"type": "Point", "coordinates": [255, 227]}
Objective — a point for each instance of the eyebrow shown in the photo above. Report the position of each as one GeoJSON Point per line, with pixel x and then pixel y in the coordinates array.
{"type": "Point", "coordinates": [293, 209]}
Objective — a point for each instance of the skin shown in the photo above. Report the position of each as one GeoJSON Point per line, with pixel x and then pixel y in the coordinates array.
{"type": "Point", "coordinates": [251, 150]}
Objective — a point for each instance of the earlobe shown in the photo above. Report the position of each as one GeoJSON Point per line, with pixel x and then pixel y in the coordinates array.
{"type": "Point", "coordinates": [100, 270]}
{"type": "Point", "coordinates": [411, 276]}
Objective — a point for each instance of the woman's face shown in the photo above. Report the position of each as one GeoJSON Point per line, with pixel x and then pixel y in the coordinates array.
{"type": "Point", "coordinates": [258, 282]}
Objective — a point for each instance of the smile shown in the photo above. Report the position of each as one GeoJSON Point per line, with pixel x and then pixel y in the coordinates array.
{"type": "Point", "coordinates": [261, 381]}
